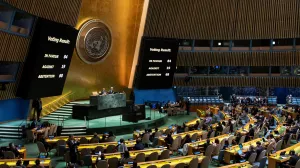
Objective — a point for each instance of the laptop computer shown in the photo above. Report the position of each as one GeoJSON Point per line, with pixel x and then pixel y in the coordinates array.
{"type": "Point", "coordinates": [240, 152]}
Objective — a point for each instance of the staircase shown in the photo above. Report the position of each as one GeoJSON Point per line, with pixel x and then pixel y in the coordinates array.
{"type": "Point", "coordinates": [80, 130]}
{"type": "Point", "coordinates": [61, 114]}
{"type": "Point", "coordinates": [10, 132]}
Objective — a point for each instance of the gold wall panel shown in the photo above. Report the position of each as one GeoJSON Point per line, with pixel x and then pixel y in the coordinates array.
{"type": "Point", "coordinates": [123, 18]}
{"type": "Point", "coordinates": [223, 19]}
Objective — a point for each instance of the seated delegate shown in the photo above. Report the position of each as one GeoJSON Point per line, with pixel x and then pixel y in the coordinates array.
{"type": "Point", "coordinates": [104, 92]}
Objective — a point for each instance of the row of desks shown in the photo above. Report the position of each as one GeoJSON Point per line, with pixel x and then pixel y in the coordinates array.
{"type": "Point", "coordinates": [186, 160]}
{"type": "Point", "coordinates": [137, 133]}
{"type": "Point", "coordinates": [192, 146]}
{"type": "Point", "coordinates": [12, 162]}
{"type": "Point", "coordinates": [65, 138]}
{"type": "Point", "coordinates": [133, 154]}
{"type": "Point", "coordinates": [161, 139]}
{"type": "Point", "coordinates": [275, 158]}
{"type": "Point", "coordinates": [129, 144]}
{"type": "Point", "coordinates": [172, 161]}
{"type": "Point", "coordinates": [231, 152]}
{"type": "Point", "coordinates": [290, 112]}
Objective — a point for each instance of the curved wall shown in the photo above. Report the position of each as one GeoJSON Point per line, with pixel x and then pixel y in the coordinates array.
{"type": "Point", "coordinates": [62, 11]}
{"type": "Point", "coordinates": [123, 19]}
{"type": "Point", "coordinates": [223, 19]}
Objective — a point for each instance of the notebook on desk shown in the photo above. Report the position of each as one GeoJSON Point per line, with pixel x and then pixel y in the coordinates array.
{"type": "Point", "coordinates": [240, 152]}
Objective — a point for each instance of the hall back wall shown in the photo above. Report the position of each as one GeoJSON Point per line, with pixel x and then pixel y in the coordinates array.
{"type": "Point", "coordinates": [223, 19]}
{"type": "Point", "coordinates": [123, 18]}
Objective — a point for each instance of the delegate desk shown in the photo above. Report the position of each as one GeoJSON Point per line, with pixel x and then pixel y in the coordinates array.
{"type": "Point", "coordinates": [132, 154]}
{"type": "Point", "coordinates": [172, 162]}
{"type": "Point", "coordinates": [40, 131]}
{"type": "Point", "coordinates": [192, 146]}
{"type": "Point", "coordinates": [23, 152]}
{"type": "Point", "coordinates": [276, 118]}
{"type": "Point", "coordinates": [231, 152]}
{"type": "Point", "coordinates": [226, 116]}
{"type": "Point", "coordinates": [108, 101]}
{"type": "Point", "coordinates": [245, 129]}
{"type": "Point", "coordinates": [275, 158]}
{"type": "Point", "coordinates": [137, 133]}
{"type": "Point", "coordinates": [192, 122]}
{"type": "Point", "coordinates": [161, 139]}
{"type": "Point", "coordinates": [12, 162]}
{"type": "Point", "coordinates": [129, 144]}
{"type": "Point", "coordinates": [102, 106]}
{"type": "Point", "coordinates": [291, 112]}
{"type": "Point", "coordinates": [213, 109]}
{"type": "Point", "coordinates": [238, 165]}
{"type": "Point", "coordinates": [54, 140]}
{"type": "Point", "coordinates": [265, 113]}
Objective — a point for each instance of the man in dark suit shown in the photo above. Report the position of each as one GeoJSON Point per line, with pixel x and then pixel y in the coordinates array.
{"type": "Point", "coordinates": [169, 140]}
{"type": "Point", "coordinates": [289, 120]}
{"type": "Point", "coordinates": [245, 156]}
{"type": "Point", "coordinates": [187, 105]}
{"type": "Point", "coordinates": [103, 92]}
{"type": "Point", "coordinates": [250, 133]}
{"type": "Point", "coordinates": [139, 145]}
{"type": "Point", "coordinates": [96, 138]}
{"type": "Point", "coordinates": [111, 91]}
{"type": "Point", "coordinates": [37, 108]}
{"type": "Point", "coordinates": [12, 148]}
{"type": "Point", "coordinates": [292, 161]}
{"type": "Point", "coordinates": [34, 124]}
{"type": "Point", "coordinates": [72, 143]}
{"type": "Point", "coordinates": [259, 148]}
{"type": "Point", "coordinates": [286, 136]}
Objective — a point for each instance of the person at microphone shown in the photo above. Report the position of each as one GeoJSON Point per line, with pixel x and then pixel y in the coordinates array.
{"type": "Point", "coordinates": [111, 91]}
{"type": "Point", "coordinates": [72, 143]}
{"type": "Point", "coordinates": [103, 92]}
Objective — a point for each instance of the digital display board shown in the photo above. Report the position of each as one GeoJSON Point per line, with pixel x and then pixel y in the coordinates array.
{"type": "Point", "coordinates": [157, 63]}
{"type": "Point", "coordinates": [48, 60]}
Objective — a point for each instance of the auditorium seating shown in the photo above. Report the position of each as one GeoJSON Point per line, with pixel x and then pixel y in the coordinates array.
{"type": "Point", "coordinates": [177, 154]}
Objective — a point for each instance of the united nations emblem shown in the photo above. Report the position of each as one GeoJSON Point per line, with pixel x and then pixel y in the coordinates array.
{"type": "Point", "coordinates": [93, 42]}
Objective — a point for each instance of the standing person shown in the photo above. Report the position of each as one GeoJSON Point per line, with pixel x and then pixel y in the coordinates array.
{"type": "Point", "coordinates": [187, 105]}
{"type": "Point", "coordinates": [72, 143]}
{"type": "Point", "coordinates": [122, 147]}
{"type": "Point", "coordinates": [37, 108]}
{"type": "Point", "coordinates": [132, 96]}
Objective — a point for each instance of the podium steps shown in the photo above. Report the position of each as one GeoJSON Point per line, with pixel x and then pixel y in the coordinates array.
{"type": "Point", "coordinates": [61, 114]}
{"type": "Point", "coordinates": [10, 132]}
{"type": "Point", "coordinates": [80, 130]}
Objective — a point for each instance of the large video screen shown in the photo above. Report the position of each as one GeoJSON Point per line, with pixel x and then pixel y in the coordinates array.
{"type": "Point", "coordinates": [48, 60]}
{"type": "Point", "coordinates": [157, 63]}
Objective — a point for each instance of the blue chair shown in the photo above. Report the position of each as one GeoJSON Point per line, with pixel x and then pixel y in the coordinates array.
{"type": "Point", "coordinates": [262, 163]}
{"type": "Point", "coordinates": [219, 159]}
